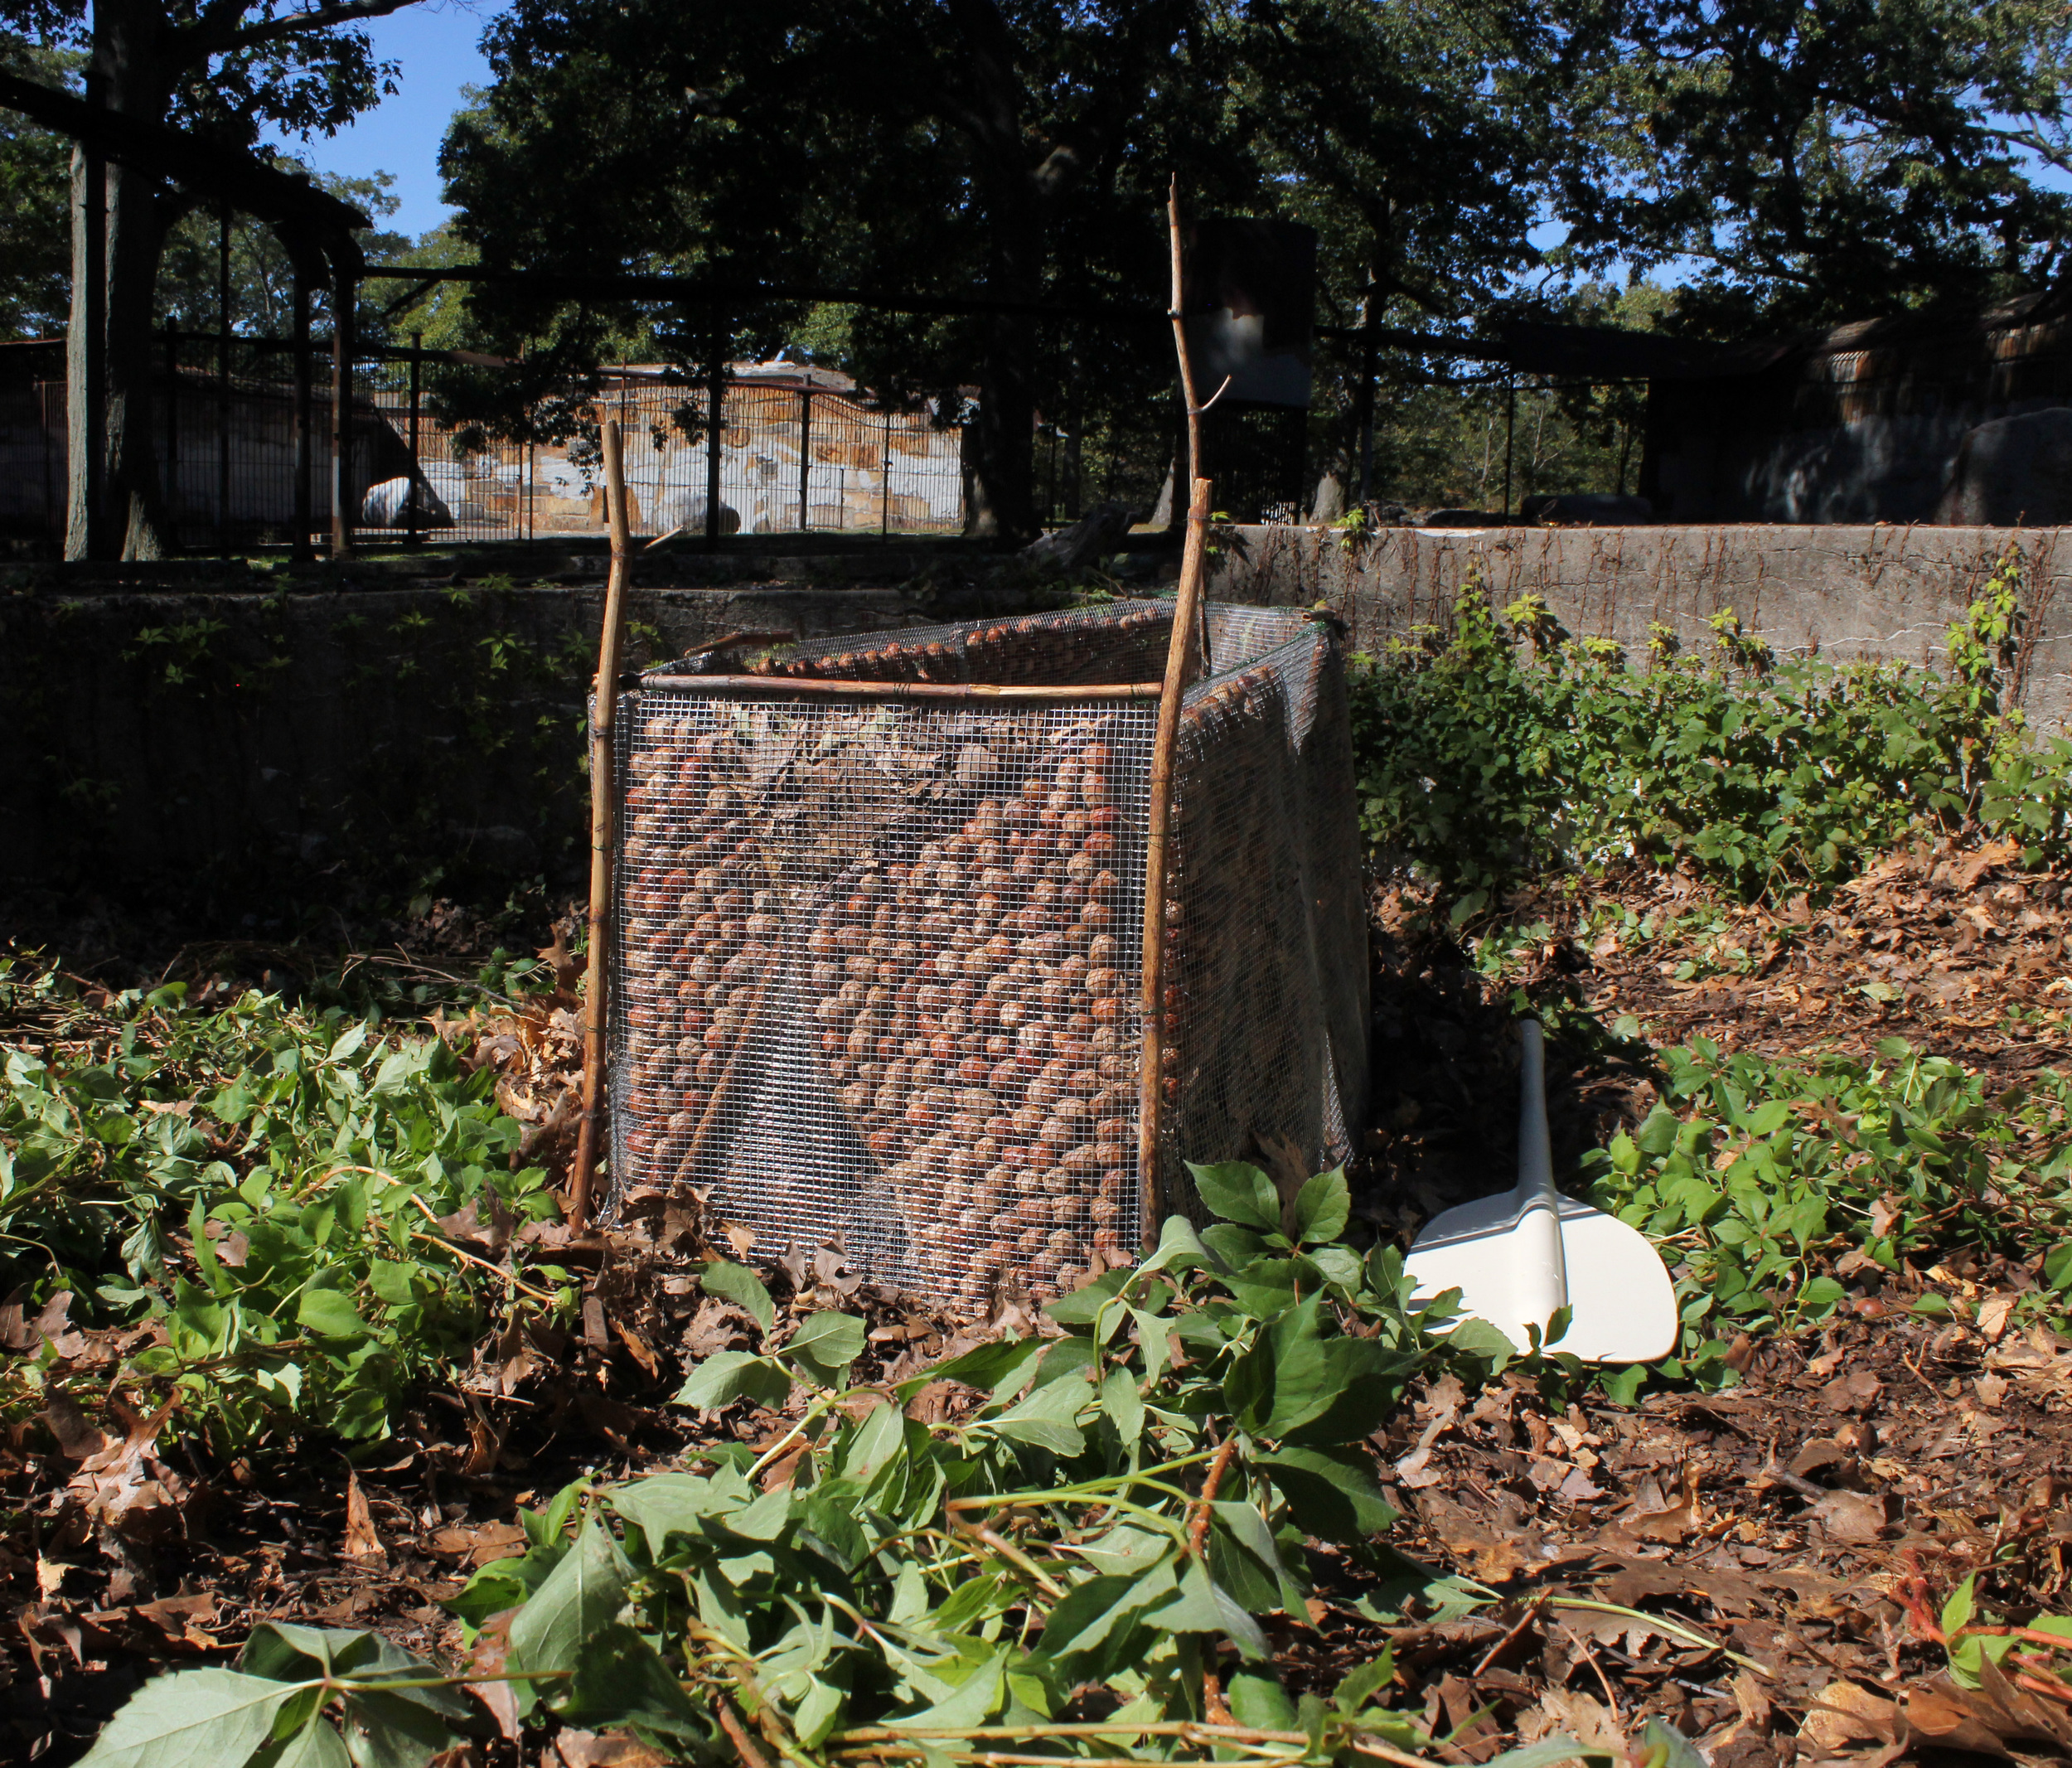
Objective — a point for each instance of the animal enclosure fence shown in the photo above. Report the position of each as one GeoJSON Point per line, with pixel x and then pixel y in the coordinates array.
{"type": "Point", "coordinates": [796, 451]}
{"type": "Point", "coordinates": [878, 976]}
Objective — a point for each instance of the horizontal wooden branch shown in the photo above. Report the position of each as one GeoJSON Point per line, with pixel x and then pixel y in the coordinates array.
{"type": "Point", "coordinates": [777, 684]}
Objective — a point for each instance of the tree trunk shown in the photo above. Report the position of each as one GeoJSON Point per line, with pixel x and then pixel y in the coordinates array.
{"type": "Point", "coordinates": [1000, 442]}
{"type": "Point", "coordinates": [129, 71]}
{"type": "Point", "coordinates": [136, 238]}
{"type": "Point", "coordinates": [85, 448]}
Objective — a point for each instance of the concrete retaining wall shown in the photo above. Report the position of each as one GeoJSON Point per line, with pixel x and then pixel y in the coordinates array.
{"type": "Point", "coordinates": [233, 744]}
{"type": "Point", "coordinates": [1881, 591]}
{"type": "Point", "coordinates": [225, 745]}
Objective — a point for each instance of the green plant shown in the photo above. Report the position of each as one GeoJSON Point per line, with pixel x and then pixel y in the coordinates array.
{"type": "Point", "coordinates": [276, 1198]}
{"type": "Point", "coordinates": [1753, 1173]}
{"type": "Point", "coordinates": [2016, 1652]}
{"type": "Point", "coordinates": [1478, 767]}
{"type": "Point", "coordinates": [1054, 1564]}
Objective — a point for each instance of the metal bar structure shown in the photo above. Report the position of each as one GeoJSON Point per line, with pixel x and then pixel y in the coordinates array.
{"type": "Point", "coordinates": [884, 479]}
{"type": "Point", "coordinates": [716, 428]}
{"type": "Point", "coordinates": [171, 474]}
{"type": "Point", "coordinates": [772, 686]}
{"type": "Point", "coordinates": [411, 534]}
{"type": "Point", "coordinates": [342, 297]}
{"type": "Point", "coordinates": [805, 458]}
{"type": "Point", "coordinates": [223, 381]}
{"type": "Point", "coordinates": [95, 201]}
{"type": "Point", "coordinates": [304, 427]}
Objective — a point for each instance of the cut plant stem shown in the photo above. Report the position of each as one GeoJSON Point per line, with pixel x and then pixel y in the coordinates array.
{"type": "Point", "coordinates": [1180, 662]}
{"type": "Point", "coordinates": [604, 704]}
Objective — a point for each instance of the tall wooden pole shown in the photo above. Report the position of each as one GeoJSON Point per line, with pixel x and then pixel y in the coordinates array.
{"type": "Point", "coordinates": [602, 718]}
{"type": "Point", "coordinates": [1179, 669]}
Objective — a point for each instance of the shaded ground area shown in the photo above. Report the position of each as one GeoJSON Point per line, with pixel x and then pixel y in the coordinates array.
{"type": "Point", "coordinates": [1765, 1567]}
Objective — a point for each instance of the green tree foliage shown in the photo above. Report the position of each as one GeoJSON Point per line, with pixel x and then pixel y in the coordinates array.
{"type": "Point", "coordinates": [262, 276]}
{"type": "Point", "coordinates": [229, 70]}
{"type": "Point", "coordinates": [35, 267]}
{"type": "Point", "coordinates": [1817, 163]}
{"type": "Point", "coordinates": [935, 150]}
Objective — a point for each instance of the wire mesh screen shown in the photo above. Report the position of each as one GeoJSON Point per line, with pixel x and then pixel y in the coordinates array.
{"type": "Point", "coordinates": [879, 970]}
{"type": "Point", "coordinates": [1265, 975]}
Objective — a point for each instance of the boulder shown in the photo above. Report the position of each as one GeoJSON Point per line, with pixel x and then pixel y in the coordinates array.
{"type": "Point", "coordinates": [387, 505]}
{"type": "Point", "coordinates": [678, 509]}
{"type": "Point", "coordinates": [2010, 471]}
{"type": "Point", "coordinates": [1100, 530]}
{"type": "Point", "coordinates": [1588, 509]}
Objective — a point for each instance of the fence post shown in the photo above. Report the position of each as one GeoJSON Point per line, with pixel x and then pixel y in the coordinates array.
{"type": "Point", "coordinates": [805, 458]}
{"type": "Point", "coordinates": [884, 479]}
{"type": "Point", "coordinates": [342, 297]}
{"type": "Point", "coordinates": [223, 382]}
{"type": "Point", "coordinates": [171, 476]}
{"type": "Point", "coordinates": [417, 359]}
{"type": "Point", "coordinates": [93, 421]}
{"type": "Point", "coordinates": [716, 428]}
{"type": "Point", "coordinates": [300, 549]}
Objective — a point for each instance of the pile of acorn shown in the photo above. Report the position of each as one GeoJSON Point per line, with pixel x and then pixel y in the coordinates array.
{"type": "Point", "coordinates": [701, 924]}
{"type": "Point", "coordinates": [971, 978]}
{"type": "Point", "coordinates": [1043, 649]}
{"type": "Point", "coordinates": [977, 1011]}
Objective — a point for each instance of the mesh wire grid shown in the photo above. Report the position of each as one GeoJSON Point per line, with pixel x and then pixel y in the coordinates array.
{"type": "Point", "coordinates": [879, 970]}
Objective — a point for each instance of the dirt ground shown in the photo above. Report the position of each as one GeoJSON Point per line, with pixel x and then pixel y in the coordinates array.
{"type": "Point", "coordinates": [1764, 1568]}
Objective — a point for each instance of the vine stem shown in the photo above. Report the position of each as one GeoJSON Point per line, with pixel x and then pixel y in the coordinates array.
{"type": "Point", "coordinates": [1198, 1524]}
{"type": "Point", "coordinates": [737, 1733]}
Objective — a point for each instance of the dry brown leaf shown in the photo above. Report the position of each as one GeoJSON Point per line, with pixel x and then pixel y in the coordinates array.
{"type": "Point", "coordinates": [638, 1347]}
{"type": "Point", "coordinates": [1943, 1716]}
{"type": "Point", "coordinates": [361, 1542]}
{"type": "Point", "coordinates": [1853, 1517]}
{"type": "Point", "coordinates": [574, 1749]}
{"type": "Point", "coordinates": [79, 1439]}
{"type": "Point", "coordinates": [1993, 1314]}
{"type": "Point", "coordinates": [1672, 1525]}
{"type": "Point", "coordinates": [1493, 1555]}
{"type": "Point", "coordinates": [1843, 1714]}
{"type": "Point", "coordinates": [1588, 1721]}
{"type": "Point", "coordinates": [2013, 1712]}
{"type": "Point", "coordinates": [478, 1546]}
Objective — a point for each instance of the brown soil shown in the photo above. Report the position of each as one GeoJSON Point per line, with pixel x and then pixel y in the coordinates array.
{"type": "Point", "coordinates": [1767, 1564]}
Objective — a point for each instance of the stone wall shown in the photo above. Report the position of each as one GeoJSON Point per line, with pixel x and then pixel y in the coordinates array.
{"type": "Point", "coordinates": [1881, 591]}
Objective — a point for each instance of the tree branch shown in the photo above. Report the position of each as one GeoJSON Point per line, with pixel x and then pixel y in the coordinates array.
{"type": "Point", "coordinates": [323, 17]}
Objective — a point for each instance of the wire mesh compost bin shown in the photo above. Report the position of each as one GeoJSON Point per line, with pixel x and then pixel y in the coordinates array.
{"type": "Point", "coordinates": [878, 975]}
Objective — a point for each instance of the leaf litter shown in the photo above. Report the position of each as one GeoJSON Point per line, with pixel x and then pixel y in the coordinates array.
{"type": "Point", "coordinates": [1767, 1568]}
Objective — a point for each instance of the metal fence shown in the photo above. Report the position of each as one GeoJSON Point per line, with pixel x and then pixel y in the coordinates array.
{"type": "Point", "coordinates": [792, 454]}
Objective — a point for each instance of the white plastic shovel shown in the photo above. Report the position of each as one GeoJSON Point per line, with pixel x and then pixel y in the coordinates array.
{"type": "Point", "coordinates": [1517, 1257]}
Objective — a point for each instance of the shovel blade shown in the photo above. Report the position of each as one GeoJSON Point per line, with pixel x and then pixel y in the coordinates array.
{"type": "Point", "coordinates": [1511, 1266]}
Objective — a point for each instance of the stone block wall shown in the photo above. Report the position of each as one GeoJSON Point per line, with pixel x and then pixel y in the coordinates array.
{"type": "Point", "coordinates": [1876, 591]}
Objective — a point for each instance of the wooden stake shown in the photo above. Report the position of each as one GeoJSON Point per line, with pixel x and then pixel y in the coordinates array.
{"type": "Point", "coordinates": [602, 717]}
{"type": "Point", "coordinates": [1179, 669]}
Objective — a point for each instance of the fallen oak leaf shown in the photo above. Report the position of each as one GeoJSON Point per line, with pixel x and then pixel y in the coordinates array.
{"type": "Point", "coordinates": [1842, 1714]}
{"type": "Point", "coordinates": [361, 1541]}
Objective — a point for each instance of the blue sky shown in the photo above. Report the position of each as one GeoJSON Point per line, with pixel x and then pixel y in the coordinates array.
{"type": "Point", "coordinates": [435, 43]}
